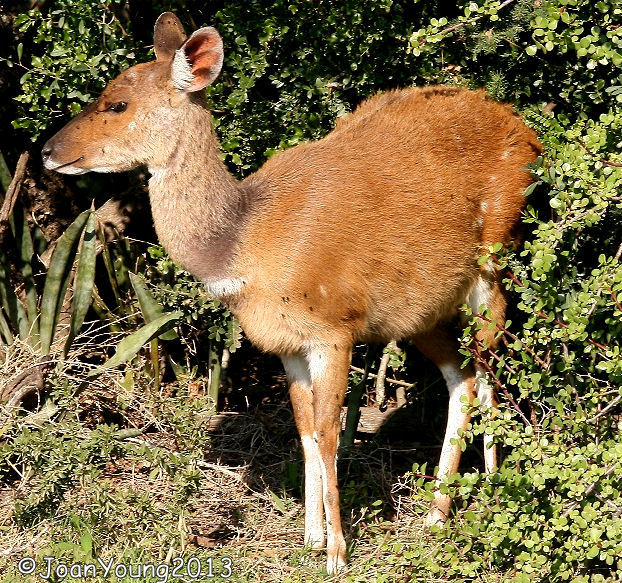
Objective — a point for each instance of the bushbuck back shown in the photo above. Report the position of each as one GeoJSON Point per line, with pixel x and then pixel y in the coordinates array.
{"type": "Point", "coordinates": [369, 234]}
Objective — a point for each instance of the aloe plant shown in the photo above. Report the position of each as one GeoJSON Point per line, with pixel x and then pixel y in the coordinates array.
{"type": "Point", "coordinates": [57, 280]}
{"type": "Point", "coordinates": [35, 318]}
{"type": "Point", "coordinates": [130, 345]}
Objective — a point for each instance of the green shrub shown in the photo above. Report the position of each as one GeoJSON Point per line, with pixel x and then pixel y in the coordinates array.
{"type": "Point", "coordinates": [75, 49]}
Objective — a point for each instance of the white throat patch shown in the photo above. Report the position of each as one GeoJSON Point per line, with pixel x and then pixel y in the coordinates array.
{"type": "Point", "coordinates": [228, 286]}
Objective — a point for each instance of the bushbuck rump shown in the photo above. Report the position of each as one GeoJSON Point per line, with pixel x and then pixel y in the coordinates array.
{"type": "Point", "coordinates": [369, 234]}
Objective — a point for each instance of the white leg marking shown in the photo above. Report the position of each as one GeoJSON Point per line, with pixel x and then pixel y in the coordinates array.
{"type": "Point", "coordinates": [458, 387]}
{"type": "Point", "coordinates": [485, 395]}
{"type": "Point", "coordinates": [335, 562]}
{"type": "Point", "coordinates": [297, 369]}
{"type": "Point", "coordinates": [317, 363]}
{"type": "Point", "coordinates": [335, 543]}
{"type": "Point", "coordinates": [479, 295]}
{"type": "Point", "coordinates": [484, 390]}
{"type": "Point", "coordinates": [314, 525]}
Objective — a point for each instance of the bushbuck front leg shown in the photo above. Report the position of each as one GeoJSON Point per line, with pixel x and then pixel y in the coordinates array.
{"type": "Point", "coordinates": [441, 347]}
{"type": "Point", "coordinates": [329, 374]}
{"type": "Point", "coordinates": [301, 394]}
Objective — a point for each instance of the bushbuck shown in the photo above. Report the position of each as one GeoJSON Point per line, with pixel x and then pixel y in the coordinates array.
{"type": "Point", "coordinates": [370, 234]}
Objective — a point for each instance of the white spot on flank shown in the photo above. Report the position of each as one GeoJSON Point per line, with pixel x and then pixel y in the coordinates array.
{"type": "Point", "coordinates": [227, 286]}
{"type": "Point", "coordinates": [131, 126]}
{"type": "Point", "coordinates": [484, 206]}
{"type": "Point", "coordinates": [181, 71]}
{"type": "Point", "coordinates": [323, 291]}
{"type": "Point", "coordinates": [505, 155]}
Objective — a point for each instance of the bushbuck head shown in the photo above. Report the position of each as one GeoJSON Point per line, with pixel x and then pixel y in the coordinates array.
{"type": "Point", "coordinates": [136, 117]}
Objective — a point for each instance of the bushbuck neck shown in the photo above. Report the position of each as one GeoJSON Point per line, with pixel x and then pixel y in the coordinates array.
{"type": "Point", "coordinates": [373, 232]}
{"type": "Point", "coordinates": [198, 208]}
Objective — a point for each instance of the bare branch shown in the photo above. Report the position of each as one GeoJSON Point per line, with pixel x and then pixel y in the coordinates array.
{"type": "Point", "coordinates": [464, 23]}
{"type": "Point", "coordinates": [390, 380]}
{"type": "Point", "coordinates": [13, 191]}
{"type": "Point", "coordinates": [605, 410]}
{"type": "Point", "coordinates": [590, 489]}
{"type": "Point", "coordinates": [382, 373]}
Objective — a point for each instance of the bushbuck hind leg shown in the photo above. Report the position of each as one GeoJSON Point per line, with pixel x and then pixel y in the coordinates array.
{"type": "Point", "coordinates": [487, 294]}
{"type": "Point", "coordinates": [301, 394]}
{"type": "Point", "coordinates": [329, 373]}
{"type": "Point", "coordinates": [487, 397]}
{"type": "Point", "coordinates": [441, 347]}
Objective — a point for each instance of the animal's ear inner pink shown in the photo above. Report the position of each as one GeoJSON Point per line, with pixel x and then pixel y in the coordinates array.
{"type": "Point", "coordinates": [168, 36]}
{"type": "Point", "coordinates": [204, 53]}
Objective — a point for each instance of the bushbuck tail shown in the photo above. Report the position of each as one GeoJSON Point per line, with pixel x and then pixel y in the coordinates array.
{"type": "Point", "coordinates": [369, 234]}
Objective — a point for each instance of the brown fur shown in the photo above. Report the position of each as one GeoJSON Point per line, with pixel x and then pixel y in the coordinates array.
{"type": "Point", "coordinates": [372, 233]}
{"type": "Point", "coordinates": [403, 229]}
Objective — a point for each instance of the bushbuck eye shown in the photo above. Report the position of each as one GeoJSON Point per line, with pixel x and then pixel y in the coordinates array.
{"type": "Point", "coordinates": [118, 107]}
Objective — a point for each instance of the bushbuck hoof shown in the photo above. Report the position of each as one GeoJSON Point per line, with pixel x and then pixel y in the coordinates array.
{"type": "Point", "coordinates": [336, 559]}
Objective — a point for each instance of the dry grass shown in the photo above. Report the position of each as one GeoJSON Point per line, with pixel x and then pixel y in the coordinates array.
{"type": "Point", "coordinates": [169, 488]}
{"type": "Point", "coordinates": [243, 508]}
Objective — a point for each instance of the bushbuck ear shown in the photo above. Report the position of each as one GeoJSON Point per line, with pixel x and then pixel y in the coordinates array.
{"type": "Point", "coordinates": [198, 62]}
{"type": "Point", "coordinates": [168, 36]}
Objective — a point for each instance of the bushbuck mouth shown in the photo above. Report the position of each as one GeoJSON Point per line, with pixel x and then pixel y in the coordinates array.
{"type": "Point", "coordinates": [67, 168]}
